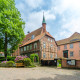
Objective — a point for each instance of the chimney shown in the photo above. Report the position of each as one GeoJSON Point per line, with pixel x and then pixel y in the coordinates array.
{"type": "Point", "coordinates": [44, 24]}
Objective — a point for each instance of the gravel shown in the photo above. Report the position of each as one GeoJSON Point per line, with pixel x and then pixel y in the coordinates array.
{"type": "Point", "coordinates": [39, 73]}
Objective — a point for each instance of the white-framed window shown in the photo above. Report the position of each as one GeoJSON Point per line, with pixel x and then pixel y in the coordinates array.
{"type": "Point", "coordinates": [24, 48]}
{"type": "Point", "coordinates": [30, 46]}
{"type": "Point", "coordinates": [44, 55]}
{"type": "Point", "coordinates": [71, 53]}
{"type": "Point", "coordinates": [35, 45]}
{"type": "Point", "coordinates": [51, 45]}
{"type": "Point", "coordinates": [58, 47]}
{"type": "Point", "coordinates": [71, 45]}
{"type": "Point", "coordinates": [48, 39]}
{"type": "Point", "coordinates": [65, 46]}
{"type": "Point", "coordinates": [44, 45]}
{"type": "Point", "coordinates": [51, 55]}
{"type": "Point", "coordinates": [32, 37]}
{"type": "Point", "coordinates": [51, 40]}
{"type": "Point", "coordinates": [27, 47]}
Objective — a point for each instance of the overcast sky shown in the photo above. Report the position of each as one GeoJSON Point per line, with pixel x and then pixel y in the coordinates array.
{"type": "Point", "coordinates": [62, 16]}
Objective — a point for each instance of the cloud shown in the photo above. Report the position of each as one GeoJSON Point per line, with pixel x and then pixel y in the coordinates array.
{"type": "Point", "coordinates": [35, 20]}
{"type": "Point", "coordinates": [69, 10]}
{"type": "Point", "coordinates": [34, 3]}
{"type": "Point", "coordinates": [64, 14]}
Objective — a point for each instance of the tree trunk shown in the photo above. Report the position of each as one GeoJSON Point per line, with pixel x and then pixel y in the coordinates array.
{"type": "Point", "coordinates": [5, 47]}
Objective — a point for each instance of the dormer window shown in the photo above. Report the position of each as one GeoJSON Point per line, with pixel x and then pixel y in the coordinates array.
{"type": "Point", "coordinates": [51, 40]}
{"type": "Point", "coordinates": [32, 37]}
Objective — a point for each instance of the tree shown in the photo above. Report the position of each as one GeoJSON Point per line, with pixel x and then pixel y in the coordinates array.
{"type": "Point", "coordinates": [11, 26]}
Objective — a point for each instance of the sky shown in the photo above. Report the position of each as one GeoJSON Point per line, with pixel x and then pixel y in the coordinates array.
{"type": "Point", "coordinates": [62, 16]}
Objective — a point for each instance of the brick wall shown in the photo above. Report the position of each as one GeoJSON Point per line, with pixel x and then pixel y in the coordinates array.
{"type": "Point", "coordinates": [65, 65]}
{"type": "Point", "coordinates": [75, 49]}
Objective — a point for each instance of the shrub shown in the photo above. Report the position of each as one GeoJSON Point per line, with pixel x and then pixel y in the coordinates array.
{"type": "Point", "coordinates": [7, 64]}
{"type": "Point", "coordinates": [3, 61]}
{"type": "Point", "coordinates": [59, 61]}
{"type": "Point", "coordinates": [3, 65]}
{"type": "Point", "coordinates": [19, 59]}
{"type": "Point", "coordinates": [9, 58]}
{"type": "Point", "coordinates": [27, 61]}
{"type": "Point", "coordinates": [10, 63]}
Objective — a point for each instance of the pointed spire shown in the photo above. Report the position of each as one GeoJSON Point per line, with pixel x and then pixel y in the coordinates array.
{"type": "Point", "coordinates": [43, 22]}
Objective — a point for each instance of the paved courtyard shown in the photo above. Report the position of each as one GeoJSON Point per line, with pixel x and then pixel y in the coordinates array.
{"type": "Point", "coordinates": [39, 73]}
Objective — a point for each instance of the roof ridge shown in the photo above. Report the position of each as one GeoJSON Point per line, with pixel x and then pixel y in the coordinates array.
{"type": "Point", "coordinates": [63, 39]}
{"type": "Point", "coordinates": [74, 33]}
{"type": "Point", "coordinates": [34, 31]}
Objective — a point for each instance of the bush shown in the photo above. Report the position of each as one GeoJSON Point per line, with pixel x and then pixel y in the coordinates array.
{"type": "Point", "coordinates": [3, 65]}
{"type": "Point", "coordinates": [2, 59]}
{"type": "Point", "coordinates": [7, 64]}
{"type": "Point", "coordinates": [27, 61]}
{"type": "Point", "coordinates": [19, 59]}
{"type": "Point", "coordinates": [10, 63]}
{"type": "Point", "coordinates": [9, 58]}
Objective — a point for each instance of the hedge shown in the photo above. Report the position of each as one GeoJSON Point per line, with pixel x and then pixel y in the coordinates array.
{"type": "Point", "coordinates": [9, 58]}
{"type": "Point", "coordinates": [8, 64]}
{"type": "Point", "coordinates": [27, 61]}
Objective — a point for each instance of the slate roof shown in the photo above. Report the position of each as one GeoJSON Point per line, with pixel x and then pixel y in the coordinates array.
{"type": "Point", "coordinates": [74, 38]}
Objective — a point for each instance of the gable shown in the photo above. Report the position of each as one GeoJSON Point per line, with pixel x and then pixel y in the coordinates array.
{"type": "Point", "coordinates": [74, 38]}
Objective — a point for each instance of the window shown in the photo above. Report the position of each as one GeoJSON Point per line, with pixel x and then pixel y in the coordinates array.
{"type": "Point", "coordinates": [21, 49]}
{"type": "Point", "coordinates": [24, 48]}
{"type": "Point", "coordinates": [65, 46]}
{"type": "Point", "coordinates": [32, 37]}
{"type": "Point", "coordinates": [79, 44]}
{"type": "Point", "coordinates": [35, 45]}
{"type": "Point", "coordinates": [30, 46]}
{"type": "Point", "coordinates": [27, 47]}
{"type": "Point", "coordinates": [51, 55]}
{"type": "Point", "coordinates": [48, 39]}
{"type": "Point", "coordinates": [71, 45]}
{"type": "Point", "coordinates": [44, 55]}
{"type": "Point", "coordinates": [71, 53]}
{"type": "Point", "coordinates": [51, 40]}
{"type": "Point", "coordinates": [51, 45]}
{"type": "Point", "coordinates": [58, 47]}
{"type": "Point", "coordinates": [44, 44]}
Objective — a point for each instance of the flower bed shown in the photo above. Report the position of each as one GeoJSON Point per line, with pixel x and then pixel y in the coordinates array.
{"type": "Point", "coordinates": [19, 61]}
{"type": "Point", "coordinates": [7, 64]}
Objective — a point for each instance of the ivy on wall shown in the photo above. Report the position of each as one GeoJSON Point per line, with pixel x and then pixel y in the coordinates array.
{"type": "Point", "coordinates": [32, 56]}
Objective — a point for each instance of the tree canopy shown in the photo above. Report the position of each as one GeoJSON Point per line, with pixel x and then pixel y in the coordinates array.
{"type": "Point", "coordinates": [11, 26]}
